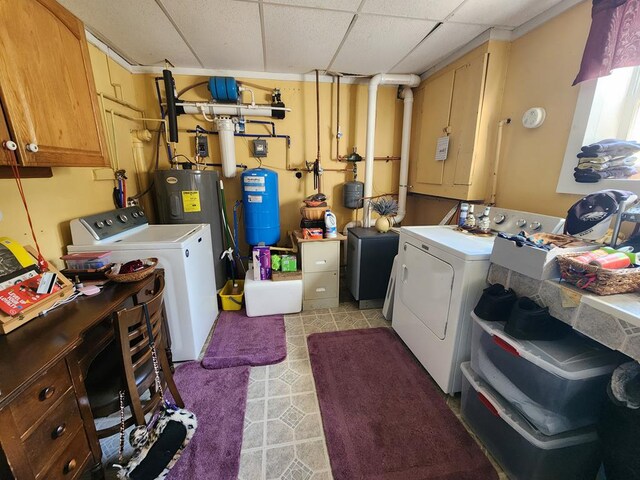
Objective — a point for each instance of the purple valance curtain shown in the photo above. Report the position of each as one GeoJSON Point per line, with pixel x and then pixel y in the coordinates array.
{"type": "Point", "coordinates": [614, 38]}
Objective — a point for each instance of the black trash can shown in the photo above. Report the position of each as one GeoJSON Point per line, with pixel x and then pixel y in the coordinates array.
{"type": "Point", "coordinates": [619, 429]}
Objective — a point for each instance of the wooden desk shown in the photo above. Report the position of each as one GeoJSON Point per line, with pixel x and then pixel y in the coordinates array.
{"type": "Point", "coordinates": [46, 426]}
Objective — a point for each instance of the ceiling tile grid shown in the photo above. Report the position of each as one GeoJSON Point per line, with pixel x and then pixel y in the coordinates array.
{"type": "Point", "coordinates": [509, 13]}
{"type": "Point", "coordinates": [302, 39]}
{"type": "Point", "coordinates": [226, 37]}
{"type": "Point", "coordinates": [375, 43]}
{"type": "Point", "coordinates": [425, 9]}
{"type": "Point", "coordinates": [297, 36]}
{"type": "Point", "coordinates": [138, 30]}
{"type": "Point", "coordinates": [447, 38]}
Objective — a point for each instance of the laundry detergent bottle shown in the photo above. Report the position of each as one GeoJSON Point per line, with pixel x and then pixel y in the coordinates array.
{"type": "Point", "coordinates": [330, 224]}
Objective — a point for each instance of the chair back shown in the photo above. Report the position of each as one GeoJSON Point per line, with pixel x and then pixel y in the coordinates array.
{"type": "Point", "coordinates": [132, 337]}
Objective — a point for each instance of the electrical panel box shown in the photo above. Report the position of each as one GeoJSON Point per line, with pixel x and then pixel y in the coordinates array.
{"type": "Point", "coordinates": [260, 148]}
{"type": "Point", "coordinates": [202, 146]}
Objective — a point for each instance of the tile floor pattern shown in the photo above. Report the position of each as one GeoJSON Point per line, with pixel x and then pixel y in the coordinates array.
{"type": "Point", "coordinates": [283, 435]}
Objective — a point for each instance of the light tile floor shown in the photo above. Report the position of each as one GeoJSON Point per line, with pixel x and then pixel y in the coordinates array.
{"type": "Point", "coordinates": [283, 435]}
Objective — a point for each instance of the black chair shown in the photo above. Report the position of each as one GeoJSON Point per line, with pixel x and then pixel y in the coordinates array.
{"type": "Point", "coordinates": [127, 365]}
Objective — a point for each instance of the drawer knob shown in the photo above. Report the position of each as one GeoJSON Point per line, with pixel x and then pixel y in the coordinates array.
{"type": "Point", "coordinates": [32, 147]}
{"type": "Point", "coordinates": [70, 466]}
{"type": "Point", "coordinates": [59, 431]}
{"type": "Point", "coordinates": [46, 393]}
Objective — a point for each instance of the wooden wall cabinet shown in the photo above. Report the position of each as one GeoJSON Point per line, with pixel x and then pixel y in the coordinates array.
{"type": "Point", "coordinates": [47, 89]}
{"type": "Point", "coordinates": [462, 101]}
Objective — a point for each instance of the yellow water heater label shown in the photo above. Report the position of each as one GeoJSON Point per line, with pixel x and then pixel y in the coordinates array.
{"type": "Point", "coordinates": [191, 201]}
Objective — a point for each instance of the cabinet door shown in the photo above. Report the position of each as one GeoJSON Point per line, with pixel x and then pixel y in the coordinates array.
{"type": "Point", "coordinates": [468, 88]}
{"type": "Point", "coordinates": [7, 157]}
{"type": "Point", "coordinates": [47, 85]}
{"type": "Point", "coordinates": [435, 120]}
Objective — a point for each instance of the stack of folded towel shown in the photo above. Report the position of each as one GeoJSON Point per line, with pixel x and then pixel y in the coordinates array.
{"type": "Point", "coordinates": [610, 158]}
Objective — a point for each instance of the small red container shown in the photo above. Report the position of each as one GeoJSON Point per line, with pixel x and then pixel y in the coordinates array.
{"type": "Point", "coordinates": [612, 261]}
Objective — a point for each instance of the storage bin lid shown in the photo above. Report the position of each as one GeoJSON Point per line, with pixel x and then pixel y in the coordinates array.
{"type": "Point", "coordinates": [520, 424]}
{"type": "Point", "coordinates": [573, 357]}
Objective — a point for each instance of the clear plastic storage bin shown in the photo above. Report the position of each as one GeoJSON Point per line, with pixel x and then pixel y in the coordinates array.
{"type": "Point", "coordinates": [523, 452]}
{"type": "Point", "coordinates": [557, 385]}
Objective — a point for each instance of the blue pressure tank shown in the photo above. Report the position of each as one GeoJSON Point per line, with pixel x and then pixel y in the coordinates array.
{"type": "Point", "coordinates": [261, 206]}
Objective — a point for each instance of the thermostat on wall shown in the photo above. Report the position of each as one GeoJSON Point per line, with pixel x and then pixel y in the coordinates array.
{"type": "Point", "coordinates": [534, 117]}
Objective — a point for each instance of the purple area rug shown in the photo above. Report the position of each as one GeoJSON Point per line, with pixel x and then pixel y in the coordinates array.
{"type": "Point", "coordinates": [383, 417]}
{"type": "Point", "coordinates": [241, 340]}
{"type": "Point", "coordinates": [218, 398]}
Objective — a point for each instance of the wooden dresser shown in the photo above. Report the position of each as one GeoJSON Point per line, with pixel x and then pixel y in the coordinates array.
{"type": "Point", "coordinates": [46, 426]}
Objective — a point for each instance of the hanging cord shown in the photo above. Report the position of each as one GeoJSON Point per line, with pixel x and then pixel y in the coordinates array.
{"type": "Point", "coordinates": [42, 263]}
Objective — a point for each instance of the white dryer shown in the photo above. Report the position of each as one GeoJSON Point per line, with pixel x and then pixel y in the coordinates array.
{"type": "Point", "coordinates": [184, 252]}
{"type": "Point", "coordinates": [440, 275]}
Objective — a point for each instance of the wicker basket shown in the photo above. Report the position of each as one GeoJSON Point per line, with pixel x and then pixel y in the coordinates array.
{"type": "Point", "coordinates": [313, 213]}
{"type": "Point", "coordinates": [602, 281]}
{"type": "Point", "coordinates": [134, 276]}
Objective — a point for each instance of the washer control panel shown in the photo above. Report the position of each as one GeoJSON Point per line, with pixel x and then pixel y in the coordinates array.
{"type": "Point", "coordinates": [107, 224]}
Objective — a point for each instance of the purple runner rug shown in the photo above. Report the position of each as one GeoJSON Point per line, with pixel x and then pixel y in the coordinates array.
{"type": "Point", "coordinates": [218, 398]}
{"type": "Point", "coordinates": [241, 340]}
{"type": "Point", "coordinates": [382, 416]}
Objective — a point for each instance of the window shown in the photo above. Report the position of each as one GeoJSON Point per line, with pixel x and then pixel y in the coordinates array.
{"type": "Point", "coordinates": [608, 107]}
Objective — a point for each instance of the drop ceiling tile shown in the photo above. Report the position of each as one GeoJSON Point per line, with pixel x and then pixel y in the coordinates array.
{"type": "Point", "coordinates": [346, 5]}
{"type": "Point", "coordinates": [302, 39]}
{"type": "Point", "coordinates": [225, 34]}
{"type": "Point", "coordinates": [447, 38]}
{"type": "Point", "coordinates": [376, 43]}
{"type": "Point", "coordinates": [509, 13]}
{"type": "Point", "coordinates": [139, 30]}
{"type": "Point", "coordinates": [431, 9]}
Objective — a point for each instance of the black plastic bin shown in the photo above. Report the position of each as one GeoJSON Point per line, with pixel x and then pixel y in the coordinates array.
{"type": "Point", "coordinates": [619, 431]}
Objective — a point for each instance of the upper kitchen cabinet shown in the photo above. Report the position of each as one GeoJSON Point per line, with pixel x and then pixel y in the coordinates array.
{"type": "Point", "coordinates": [461, 101]}
{"type": "Point", "coordinates": [47, 88]}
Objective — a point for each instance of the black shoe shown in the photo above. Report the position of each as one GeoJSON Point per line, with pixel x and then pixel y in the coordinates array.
{"type": "Point", "coordinates": [530, 321]}
{"type": "Point", "coordinates": [496, 303]}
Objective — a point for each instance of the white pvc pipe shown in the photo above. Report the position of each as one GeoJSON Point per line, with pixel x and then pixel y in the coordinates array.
{"type": "Point", "coordinates": [226, 131]}
{"type": "Point", "coordinates": [232, 110]}
{"type": "Point", "coordinates": [407, 95]}
{"type": "Point", "coordinates": [377, 80]}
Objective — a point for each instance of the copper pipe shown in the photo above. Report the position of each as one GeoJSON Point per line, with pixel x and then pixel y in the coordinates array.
{"type": "Point", "coordinates": [388, 158]}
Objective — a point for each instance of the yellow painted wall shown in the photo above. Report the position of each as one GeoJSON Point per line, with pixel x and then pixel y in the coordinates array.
{"type": "Point", "coordinates": [72, 192]}
{"type": "Point", "coordinates": [300, 125]}
{"type": "Point", "coordinates": [542, 66]}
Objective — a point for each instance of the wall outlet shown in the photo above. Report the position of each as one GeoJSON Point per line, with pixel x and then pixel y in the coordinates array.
{"type": "Point", "coordinates": [102, 174]}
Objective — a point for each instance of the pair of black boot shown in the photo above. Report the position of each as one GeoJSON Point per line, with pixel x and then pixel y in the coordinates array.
{"type": "Point", "coordinates": [525, 319]}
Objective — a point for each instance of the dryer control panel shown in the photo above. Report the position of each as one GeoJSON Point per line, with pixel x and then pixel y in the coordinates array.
{"type": "Point", "coordinates": [107, 224]}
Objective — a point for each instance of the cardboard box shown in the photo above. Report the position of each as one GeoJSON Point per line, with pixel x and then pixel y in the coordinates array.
{"type": "Point", "coordinates": [535, 263]}
{"type": "Point", "coordinates": [261, 263]}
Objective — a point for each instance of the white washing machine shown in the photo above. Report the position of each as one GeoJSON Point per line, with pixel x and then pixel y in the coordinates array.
{"type": "Point", "coordinates": [184, 252]}
{"type": "Point", "coordinates": [440, 275]}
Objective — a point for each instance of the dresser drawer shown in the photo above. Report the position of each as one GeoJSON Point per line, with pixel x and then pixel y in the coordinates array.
{"type": "Point", "coordinates": [69, 464]}
{"type": "Point", "coordinates": [54, 432]}
{"type": "Point", "coordinates": [321, 256]}
{"type": "Point", "coordinates": [31, 404]}
{"type": "Point", "coordinates": [320, 285]}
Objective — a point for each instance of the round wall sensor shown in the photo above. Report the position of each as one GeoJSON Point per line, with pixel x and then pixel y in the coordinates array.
{"type": "Point", "coordinates": [534, 117]}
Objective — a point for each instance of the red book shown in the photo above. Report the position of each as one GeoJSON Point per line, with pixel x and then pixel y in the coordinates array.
{"type": "Point", "coordinates": [18, 298]}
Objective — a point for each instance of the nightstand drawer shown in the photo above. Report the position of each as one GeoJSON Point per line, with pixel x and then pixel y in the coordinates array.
{"type": "Point", "coordinates": [320, 285]}
{"type": "Point", "coordinates": [321, 256]}
{"type": "Point", "coordinates": [54, 432]}
{"type": "Point", "coordinates": [31, 404]}
{"type": "Point", "coordinates": [69, 464]}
